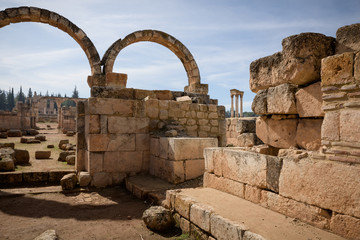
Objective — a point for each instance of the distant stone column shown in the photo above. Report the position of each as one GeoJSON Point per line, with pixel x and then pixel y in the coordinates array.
{"type": "Point", "coordinates": [236, 105]}
{"type": "Point", "coordinates": [241, 104]}
{"type": "Point", "coordinates": [232, 105]}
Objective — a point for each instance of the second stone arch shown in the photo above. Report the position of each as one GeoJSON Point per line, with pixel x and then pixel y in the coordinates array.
{"type": "Point", "coordinates": [168, 41]}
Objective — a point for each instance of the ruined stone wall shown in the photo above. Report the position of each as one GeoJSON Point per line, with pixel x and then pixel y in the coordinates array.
{"type": "Point", "coordinates": [68, 119]}
{"type": "Point", "coordinates": [289, 96]}
{"type": "Point", "coordinates": [114, 133]}
{"type": "Point", "coordinates": [241, 132]}
{"type": "Point", "coordinates": [21, 118]}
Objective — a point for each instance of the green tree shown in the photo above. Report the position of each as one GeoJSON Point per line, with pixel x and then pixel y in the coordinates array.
{"type": "Point", "coordinates": [47, 93]}
{"type": "Point", "coordinates": [20, 96]}
{"type": "Point", "coordinates": [75, 93]}
{"type": "Point", "coordinates": [10, 100]}
{"type": "Point", "coordinates": [30, 94]}
{"type": "Point", "coordinates": [3, 103]}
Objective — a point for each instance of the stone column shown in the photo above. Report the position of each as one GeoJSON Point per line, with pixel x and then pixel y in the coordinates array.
{"type": "Point", "coordinates": [236, 105]}
{"type": "Point", "coordinates": [241, 104]}
{"type": "Point", "coordinates": [232, 105]}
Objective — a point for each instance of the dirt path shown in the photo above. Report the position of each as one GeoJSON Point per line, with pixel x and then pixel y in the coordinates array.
{"type": "Point", "coordinates": [110, 213]}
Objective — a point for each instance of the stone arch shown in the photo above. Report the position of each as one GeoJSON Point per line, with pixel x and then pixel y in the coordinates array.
{"type": "Point", "coordinates": [167, 41]}
{"type": "Point", "coordinates": [34, 14]}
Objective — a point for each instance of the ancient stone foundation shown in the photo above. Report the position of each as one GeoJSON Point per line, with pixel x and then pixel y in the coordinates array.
{"type": "Point", "coordinates": [121, 132]}
{"type": "Point", "coordinates": [21, 118]}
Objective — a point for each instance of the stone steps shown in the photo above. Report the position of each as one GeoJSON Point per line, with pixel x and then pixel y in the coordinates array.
{"type": "Point", "coordinates": [211, 214]}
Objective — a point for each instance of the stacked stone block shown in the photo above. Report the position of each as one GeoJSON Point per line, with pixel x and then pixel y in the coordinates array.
{"type": "Point", "coordinates": [114, 132]}
{"type": "Point", "coordinates": [178, 159]}
{"type": "Point", "coordinates": [241, 132]}
{"type": "Point", "coordinates": [68, 119]}
{"type": "Point", "coordinates": [289, 93]}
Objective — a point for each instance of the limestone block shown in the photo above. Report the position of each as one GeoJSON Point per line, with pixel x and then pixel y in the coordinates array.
{"type": "Point", "coordinates": [142, 142]}
{"type": "Point", "coordinates": [93, 124]}
{"type": "Point", "coordinates": [317, 182]}
{"type": "Point", "coordinates": [155, 146]}
{"type": "Point", "coordinates": [109, 106]}
{"type": "Point", "coordinates": [345, 226]}
{"type": "Point", "coordinates": [245, 167]}
{"type": "Point", "coordinates": [189, 148]}
{"type": "Point", "coordinates": [251, 236]}
{"type": "Point", "coordinates": [252, 194]}
{"type": "Point", "coordinates": [101, 179]}
{"type": "Point", "coordinates": [95, 162]}
{"type": "Point", "coordinates": [163, 94]}
{"type": "Point", "coordinates": [197, 233]}
{"type": "Point", "coordinates": [304, 212]}
{"type": "Point", "coordinates": [224, 184]}
{"type": "Point", "coordinates": [337, 69]}
{"type": "Point", "coordinates": [123, 161]}
{"type": "Point", "coordinates": [152, 108]}
{"type": "Point", "coordinates": [84, 179]}
{"type": "Point", "coordinates": [357, 67]}
{"type": "Point", "coordinates": [298, 63]}
{"type": "Point", "coordinates": [21, 156]}
{"type": "Point", "coordinates": [68, 182]}
{"type": "Point", "coordinates": [259, 104]}
{"type": "Point", "coordinates": [200, 215]}
{"type": "Point", "coordinates": [164, 147]}
{"type": "Point", "coordinates": [309, 101]}
{"type": "Point", "coordinates": [116, 79]}
{"type": "Point", "coordinates": [42, 154]}
{"type": "Point", "coordinates": [7, 164]}
{"type": "Point", "coordinates": [349, 125]}
{"type": "Point", "coordinates": [347, 38]}
{"type": "Point", "coordinates": [247, 140]}
{"type": "Point", "coordinates": [273, 165]}
{"type": "Point", "coordinates": [63, 155]}
{"type": "Point", "coordinates": [224, 229]}
{"type": "Point", "coordinates": [308, 134]}
{"type": "Point", "coordinates": [281, 99]}
{"type": "Point", "coordinates": [277, 133]}
{"type": "Point", "coordinates": [111, 142]}
{"type": "Point", "coordinates": [330, 129]}
{"type": "Point", "coordinates": [194, 168]}
{"type": "Point", "coordinates": [35, 176]}
{"type": "Point", "coordinates": [246, 125]}
{"type": "Point", "coordinates": [209, 159]}
{"type": "Point", "coordinates": [70, 159]}
{"type": "Point", "coordinates": [184, 225]}
{"type": "Point", "coordinates": [128, 125]}
{"type": "Point", "coordinates": [182, 205]}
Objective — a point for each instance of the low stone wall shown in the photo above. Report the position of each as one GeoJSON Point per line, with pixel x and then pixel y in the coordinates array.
{"type": "Point", "coordinates": [296, 185]}
{"type": "Point", "coordinates": [21, 118]}
{"type": "Point", "coordinates": [114, 133]}
{"type": "Point", "coordinates": [241, 132]}
{"type": "Point", "coordinates": [178, 159]}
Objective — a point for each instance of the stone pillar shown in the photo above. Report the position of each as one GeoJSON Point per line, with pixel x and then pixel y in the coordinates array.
{"type": "Point", "coordinates": [232, 106]}
{"type": "Point", "coordinates": [236, 105]}
{"type": "Point", "coordinates": [241, 104]}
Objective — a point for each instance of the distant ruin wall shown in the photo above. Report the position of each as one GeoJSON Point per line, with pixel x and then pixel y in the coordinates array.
{"type": "Point", "coordinates": [114, 133]}
{"type": "Point", "coordinates": [21, 119]}
{"type": "Point", "coordinates": [241, 132]}
{"type": "Point", "coordinates": [68, 119]}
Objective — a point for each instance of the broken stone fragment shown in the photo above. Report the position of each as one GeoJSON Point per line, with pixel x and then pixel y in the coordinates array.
{"type": "Point", "coordinates": [47, 235]}
{"type": "Point", "coordinates": [158, 218]}
{"type": "Point", "coordinates": [68, 182]}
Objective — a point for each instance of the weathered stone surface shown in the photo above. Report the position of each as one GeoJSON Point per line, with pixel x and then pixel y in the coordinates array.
{"type": "Point", "coordinates": [273, 170]}
{"type": "Point", "coordinates": [346, 226]}
{"type": "Point", "coordinates": [62, 142]}
{"type": "Point", "coordinates": [47, 235]}
{"type": "Point", "coordinates": [281, 99]}
{"type": "Point", "coordinates": [243, 166]}
{"type": "Point", "coordinates": [251, 236]}
{"type": "Point", "coordinates": [50, 146]}
{"type": "Point", "coordinates": [42, 154]}
{"type": "Point", "coordinates": [188, 148]}
{"type": "Point", "coordinates": [7, 164]}
{"type": "Point", "coordinates": [3, 135]}
{"type": "Point", "coordinates": [101, 179]}
{"type": "Point", "coordinates": [111, 142]}
{"type": "Point", "coordinates": [123, 161]}
{"type": "Point", "coordinates": [259, 104]}
{"type": "Point", "coordinates": [7, 145]}
{"type": "Point", "coordinates": [246, 125]}
{"type": "Point", "coordinates": [32, 132]}
{"type": "Point", "coordinates": [337, 69]}
{"type": "Point", "coordinates": [224, 185]}
{"type": "Point", "coordinates": [304, 212]}
{"type": "Point", "coordinates": [14, 133]}
{"type": "Point", "coordinates": [120, 107]}
{"type": "Point", "coordinates": [308, 134]}
{"type": "Point", "coordinates": [40, 137]}
{"type": "Point", "coordinates": [200, 215]}
{"type": "Point", "coordinates": [32, 141]}
{"type": "Point", "coordinates": [309, 101]}
{"type": "Point", "coordinates": [252, 194]}
{"type": "Point", "coordinates": [182, 205]}
{"type": "Point", "coordinates": [224, 229]}
{"type": "Point", "coordinates": [68, 182]}
{"type": "Point", "coordinates": [22, 156]}
{"type": "Point", "coordinates": [63, 155]}
{"type": "Point", "coordinates": [247, 140]}
{"type": "Point", "coordinates": [347, 38]}
{"type": "Point", "coordinates": [56, 175]}
{"type": "Point", "coordinates": [298, 63]}
{"type": "Point", "coordinates": [317, 182]}
{"type": "Point", "coordinates": [330, 129]}
{"type": "Point", "coordinates": [128, 125]}
{"type": "Point", "coordinates": [70, 159]}
{"type": "Point", "coordinates": [277, 133]}
{"type": "Point", "coordinates": [194, 168]}
{"type": "Point", "coordinates": [70, 133]}
{"type": "Point", "coordinates": [158, 218]}
{"type": "Point", "coordinates": [349, 122]}
{"type": "Point", "coordinates": [35, 176]}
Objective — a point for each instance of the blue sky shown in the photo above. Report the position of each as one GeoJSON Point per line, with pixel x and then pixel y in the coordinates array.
{"type": "Point", "coordinates": [224, 36]}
